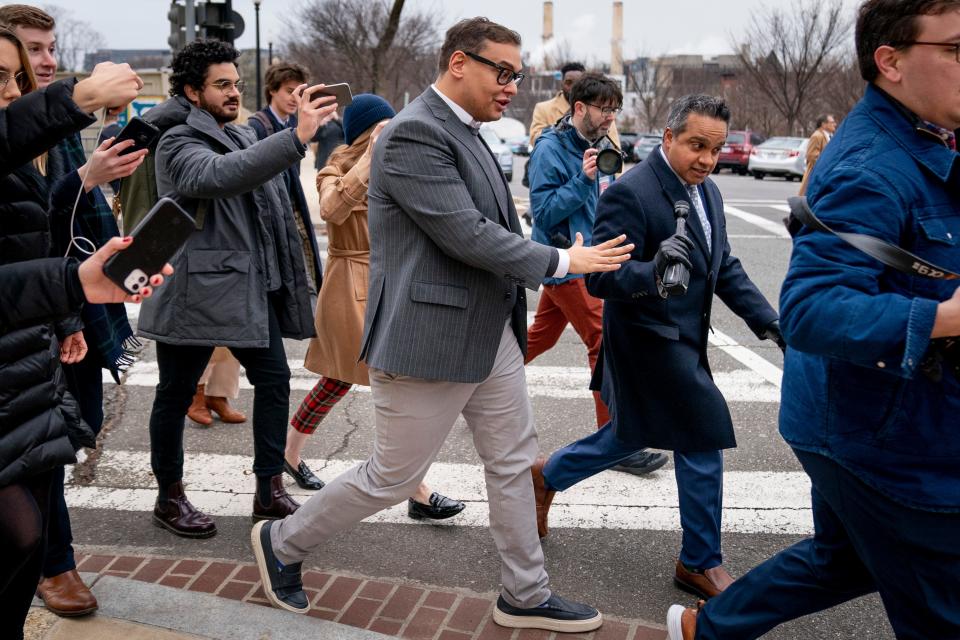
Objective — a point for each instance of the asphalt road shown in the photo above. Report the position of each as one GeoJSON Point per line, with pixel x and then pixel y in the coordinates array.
{"type": "Point", "coordinates": [613, 541]}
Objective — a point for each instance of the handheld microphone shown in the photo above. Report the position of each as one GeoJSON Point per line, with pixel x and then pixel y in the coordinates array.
{"type": "Point", "coordinates": [677, 275]}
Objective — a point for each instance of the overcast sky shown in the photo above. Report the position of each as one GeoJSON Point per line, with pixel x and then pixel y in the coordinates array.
{"type": "Point", "coordinates": [651, 27]}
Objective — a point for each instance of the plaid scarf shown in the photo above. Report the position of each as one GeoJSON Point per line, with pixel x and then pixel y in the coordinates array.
{"type": "Point", "coordinates": [106, 327]}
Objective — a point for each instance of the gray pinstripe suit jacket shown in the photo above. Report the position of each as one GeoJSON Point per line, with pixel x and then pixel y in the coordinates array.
{"type": "Point", "coordinates": [444, 271]}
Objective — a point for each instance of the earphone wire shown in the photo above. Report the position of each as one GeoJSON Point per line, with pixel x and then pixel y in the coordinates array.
{"type": "Point", "coordinates": [74, 238]}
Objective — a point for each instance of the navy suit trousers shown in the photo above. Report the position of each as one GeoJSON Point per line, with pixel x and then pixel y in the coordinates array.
{"type": "Point", "coordinates": [699, 485]}
{"type": "Point", "coordinates": [863, 542]}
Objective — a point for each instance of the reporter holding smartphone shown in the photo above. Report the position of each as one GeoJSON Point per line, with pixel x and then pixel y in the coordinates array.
{"type": "Point", "coordinates": [39, 424]}
{"type": "Point", "coordinates": [245, 282]}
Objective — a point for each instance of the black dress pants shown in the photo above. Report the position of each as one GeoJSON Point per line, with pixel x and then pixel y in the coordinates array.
{"type": "Point", "coordinates": [180, 369]}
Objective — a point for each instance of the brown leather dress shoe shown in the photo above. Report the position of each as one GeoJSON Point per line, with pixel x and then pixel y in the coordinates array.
{"type": "Point", "coordinates": [175, 513]}
{"type": "Point", "coordinates": [222, 408]}
{"type": "Point", "coordinates": [682, 622]}
{"type": "Point", "coordinates": [66, 595]}
{"type": "Point", "coordinates": [705, 584]}
{"type": "Point", "coordinates": [198, 411]}
{"type": "Point", "coordinates": [542, 495]}
{"type": "Point", "coordinates": [281, 504]}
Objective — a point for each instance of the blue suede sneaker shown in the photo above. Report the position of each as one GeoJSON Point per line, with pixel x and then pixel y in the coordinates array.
{"type": "Point", "coordinates": [556, 614]}
{"type": "Point", "coordinates": [282, 583]}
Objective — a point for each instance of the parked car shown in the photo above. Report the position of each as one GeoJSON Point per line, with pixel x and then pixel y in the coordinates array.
{"type": "Point", "coordinates": [627, 140]}
{"type": "Point", "coordinates": [735, 154]}
{"type": "Point", "coordinates": [644, 145]}
{"type": "Point", "coordinates": [519, 145]}
{"type": "Point", "coordinates": [782, 156]}
{"type": "Point", "coordinates": [500, 149]}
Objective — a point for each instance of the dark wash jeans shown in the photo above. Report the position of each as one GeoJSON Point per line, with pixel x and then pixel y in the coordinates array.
{"type": "Point", "coordinates": [180, 369]}
{"type": "Point", "coordinates": [863, 542]}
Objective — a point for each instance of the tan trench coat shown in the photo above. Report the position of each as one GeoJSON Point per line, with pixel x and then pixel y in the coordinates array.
{"type": "Point", "coordinates": [343, 297]}
{"type": "Point", "coordinates": [818, 140]}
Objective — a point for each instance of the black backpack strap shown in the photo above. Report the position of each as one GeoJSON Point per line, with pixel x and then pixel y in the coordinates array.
{"type": "Point", "coordinates": [262, 118]}
{"type": "Point", "coordinates": [890, 255]}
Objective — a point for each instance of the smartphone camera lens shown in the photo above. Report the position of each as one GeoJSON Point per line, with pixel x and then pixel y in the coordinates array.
{"type": "Point", "coordinates": [135, 286]}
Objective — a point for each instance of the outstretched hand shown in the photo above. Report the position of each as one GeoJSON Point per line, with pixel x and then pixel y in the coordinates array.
{"type": "Point", "coordinates": [312, 113]}
{"type": "Point", "coordinates": [109, 163]}
{"type": "Point", "coordinates": [606, 256]}
{"type": "Point", "coordinates": [100, 289]}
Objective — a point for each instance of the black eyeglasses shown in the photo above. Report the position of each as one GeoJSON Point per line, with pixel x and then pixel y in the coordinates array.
{"type": "Point", "coordinates": [951, 45]}
{"type": "Point", "coordinates": [226, 85]}
{"type": "Point", "coordinates": [606, 111]}
{"type": "Point", "coordinates": [20, 77]}
{"type": "Point", "coordinates": [504, 75]}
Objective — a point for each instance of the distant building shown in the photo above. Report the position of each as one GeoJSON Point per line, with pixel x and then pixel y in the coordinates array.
{"type": "Point", "coordinates": [136, 58]}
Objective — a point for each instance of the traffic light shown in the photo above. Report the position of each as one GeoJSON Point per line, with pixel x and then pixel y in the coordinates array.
{"type": "Point", "coordinates": [218, 20]}
{"type": "Point", "coordinates": [178, 26]}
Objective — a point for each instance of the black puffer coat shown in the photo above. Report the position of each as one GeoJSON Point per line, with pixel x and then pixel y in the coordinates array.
{"type": "Point", "coordinates": [39, 423]}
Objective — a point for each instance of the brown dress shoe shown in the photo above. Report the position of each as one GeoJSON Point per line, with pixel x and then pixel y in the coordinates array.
{"type": "Point", "coordinates": [542, 495]}
{"type": "Point", "coordinates": [682, 622]}
{"type": "Point", "coordinates": [175, 513]}
{"type": "Point", "coordinates": [198, 411]}
{"type": "Point", "coordinates": [222, 408]}
{"type": "Point", "coordinates": [66, 595]}
{"type": "Point", "coordinates": [281, 504]}
{"type": "Point", "coordinates": [705, 584]}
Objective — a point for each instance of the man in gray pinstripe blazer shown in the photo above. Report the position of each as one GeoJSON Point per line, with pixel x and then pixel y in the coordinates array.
{"type": "Point", "coordinates": [446, 330]}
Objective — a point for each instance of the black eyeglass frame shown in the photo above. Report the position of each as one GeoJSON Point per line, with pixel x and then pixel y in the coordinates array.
{"type": "Point", "coordinates": [505, 75]}
{"type": "Point", "coordinates": [606, 111]}
{"type": "Point", "coordinates": [909, 43]}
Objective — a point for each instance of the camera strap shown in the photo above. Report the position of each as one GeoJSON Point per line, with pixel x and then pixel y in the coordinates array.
{"type": "Point", "coordinates": [889, 254]}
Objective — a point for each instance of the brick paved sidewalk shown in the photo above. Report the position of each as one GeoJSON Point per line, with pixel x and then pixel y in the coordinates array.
{"type": "Point", "coordinates": [418, 612]}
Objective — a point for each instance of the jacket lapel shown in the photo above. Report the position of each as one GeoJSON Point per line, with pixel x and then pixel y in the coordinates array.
{"type": "Point", "coordinates": [674, 191]}
{"type": "Point", "coordinates": [464, 136]}
{"type": "Point", "coordinates": [204, 123]}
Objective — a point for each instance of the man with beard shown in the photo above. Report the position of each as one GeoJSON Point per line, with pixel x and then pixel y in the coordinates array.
{"type": "Point", "coordinates": [565, 186]}
{"type": "Point", "coordinates": [242, 285]}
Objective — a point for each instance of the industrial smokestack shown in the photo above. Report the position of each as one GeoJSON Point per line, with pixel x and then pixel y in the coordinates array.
{"type": "Point", "coordinates": [616, 43]}
{"type": "Point", "coordinates": [547, 32]}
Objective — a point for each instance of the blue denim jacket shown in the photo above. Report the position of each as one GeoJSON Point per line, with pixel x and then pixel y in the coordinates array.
{"type": "Point", "coordinates": [858, 331]}
{"type": "Point", "coordinates": [562, 198]}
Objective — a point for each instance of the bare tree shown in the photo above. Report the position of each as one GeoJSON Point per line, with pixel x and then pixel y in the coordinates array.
{"type": "Point", "coordinates": [653, 93]}
{"type": "Point", "coordinates": [371, 44]}
{"type": "Point", "coordinates": [797, 47]}
{"type": "Point", "coordinates": [75, 38]}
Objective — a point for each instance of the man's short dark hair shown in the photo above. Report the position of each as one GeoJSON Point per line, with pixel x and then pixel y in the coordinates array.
{"type": "Point", "coordinates": [280, 73]}
{"type": "Point", "coordinates": [821, 120]}
{"type": "Point", "coordinates": [596, 89]}
{"type": "Point", "coordinates": [893, 23]}
{"type": "Point", "coordinates": [191, 63]}
{"type": "Point", "coordinates": [24, 15]}
{"type": "Point", "coordinates": [471, 35]}
{"type": "Point", "coordinates": [703, 105]}
{"type": "Point", "coordinates": [571, 66]}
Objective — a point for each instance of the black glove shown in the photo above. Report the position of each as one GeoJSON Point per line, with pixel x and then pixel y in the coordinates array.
{"type": "Point", "coordinates": [676, 248]}
{"type": "Point", "coordinates": [772, 332]}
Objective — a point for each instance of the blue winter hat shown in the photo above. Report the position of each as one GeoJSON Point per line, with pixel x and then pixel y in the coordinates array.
{"type": "Point", "coordinates": [365, 111]}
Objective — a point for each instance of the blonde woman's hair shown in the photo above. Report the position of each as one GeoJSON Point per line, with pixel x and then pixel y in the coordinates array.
{"type": "Point", "coordinates": [345, 156]}
{"type": "Point", "coordinates": [29, 83]}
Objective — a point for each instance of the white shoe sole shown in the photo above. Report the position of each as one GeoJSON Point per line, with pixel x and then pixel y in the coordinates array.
{"type": "Point", "coordinates": [674, 618]}
{"type": "Point", "coordinates": [549, 624]}
{"type": "Point", "coordinates": [264, 574]}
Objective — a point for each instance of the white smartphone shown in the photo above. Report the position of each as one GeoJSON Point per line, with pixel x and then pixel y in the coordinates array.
{"type": "Point", "coordinates": [340, 91]}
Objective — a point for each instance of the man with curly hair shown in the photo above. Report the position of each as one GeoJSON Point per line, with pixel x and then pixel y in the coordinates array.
{"type": "Point", "coordinates": [243, 283]}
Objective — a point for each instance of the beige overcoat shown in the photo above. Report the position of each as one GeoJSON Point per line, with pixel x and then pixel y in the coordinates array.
{"type": "Point", "coordinates": [343, 296]}
{"type": "Point", "coordinates": [818, 140]}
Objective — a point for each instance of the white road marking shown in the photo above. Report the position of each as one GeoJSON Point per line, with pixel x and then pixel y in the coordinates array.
{"type": "Point", "coordinates": [222, 485]}
{"type": "Point", "coordinates": [758, 365]}
{"type": "Point", "coordinates": [780, 207]}
{"type": "Point", "coordinates": [775, 228]}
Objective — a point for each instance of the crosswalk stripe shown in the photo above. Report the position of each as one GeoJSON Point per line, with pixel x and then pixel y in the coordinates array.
{"type": "Point", "coordinates": [222, 485]}
{"type": "Point", "coordinates": [759, 221]}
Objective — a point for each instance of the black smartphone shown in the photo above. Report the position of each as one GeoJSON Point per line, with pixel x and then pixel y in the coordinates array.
{"type": "Point", "coordinates": [340, 91]}
{"type": "Point", "coordinates": [140, 131]}
{"type": "Point", "coordinates": [158, 236]}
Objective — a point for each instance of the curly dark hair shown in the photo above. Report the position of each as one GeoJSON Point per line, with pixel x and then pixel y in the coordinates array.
{"type": "Point", "coordinates": [191, 63]}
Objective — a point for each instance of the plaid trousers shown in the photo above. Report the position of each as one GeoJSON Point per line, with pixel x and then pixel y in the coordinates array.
{"type": "Point", "coordinates": [315, 407]}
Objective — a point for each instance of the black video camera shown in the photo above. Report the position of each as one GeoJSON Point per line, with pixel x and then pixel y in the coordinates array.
{"type": "Point", "coordinates": [610, 158]}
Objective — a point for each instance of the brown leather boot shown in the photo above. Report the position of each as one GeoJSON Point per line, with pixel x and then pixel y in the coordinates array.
{"type": "Point", "coordinates": [175, 513]}
{"type": "Point", "coordinates": [222, 408]}
{"type": "Point", "coordinates": [198, 411]}
{"type": "Point", "coordinates": [543, 497]}
{"type": "Point", "coordinates": [281, 504]}
{"type": "Point", "coordinates": [66, 595]}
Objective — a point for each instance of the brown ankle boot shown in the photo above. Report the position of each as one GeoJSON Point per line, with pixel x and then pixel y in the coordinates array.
{"type": "Point", "coordinates": [66, 595]}
{"type": "Point", "coordinates": [198, 411]}
{"type": "Point", "coordinates": [222, 408]}
{"type": "Point", "coordinates": [175, 513]}
{"type": "Point", "coordinates": [281, 504]}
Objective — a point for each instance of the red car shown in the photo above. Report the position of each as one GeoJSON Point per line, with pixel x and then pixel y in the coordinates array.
{"type": "Point", "coordinates": [735, 154]}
